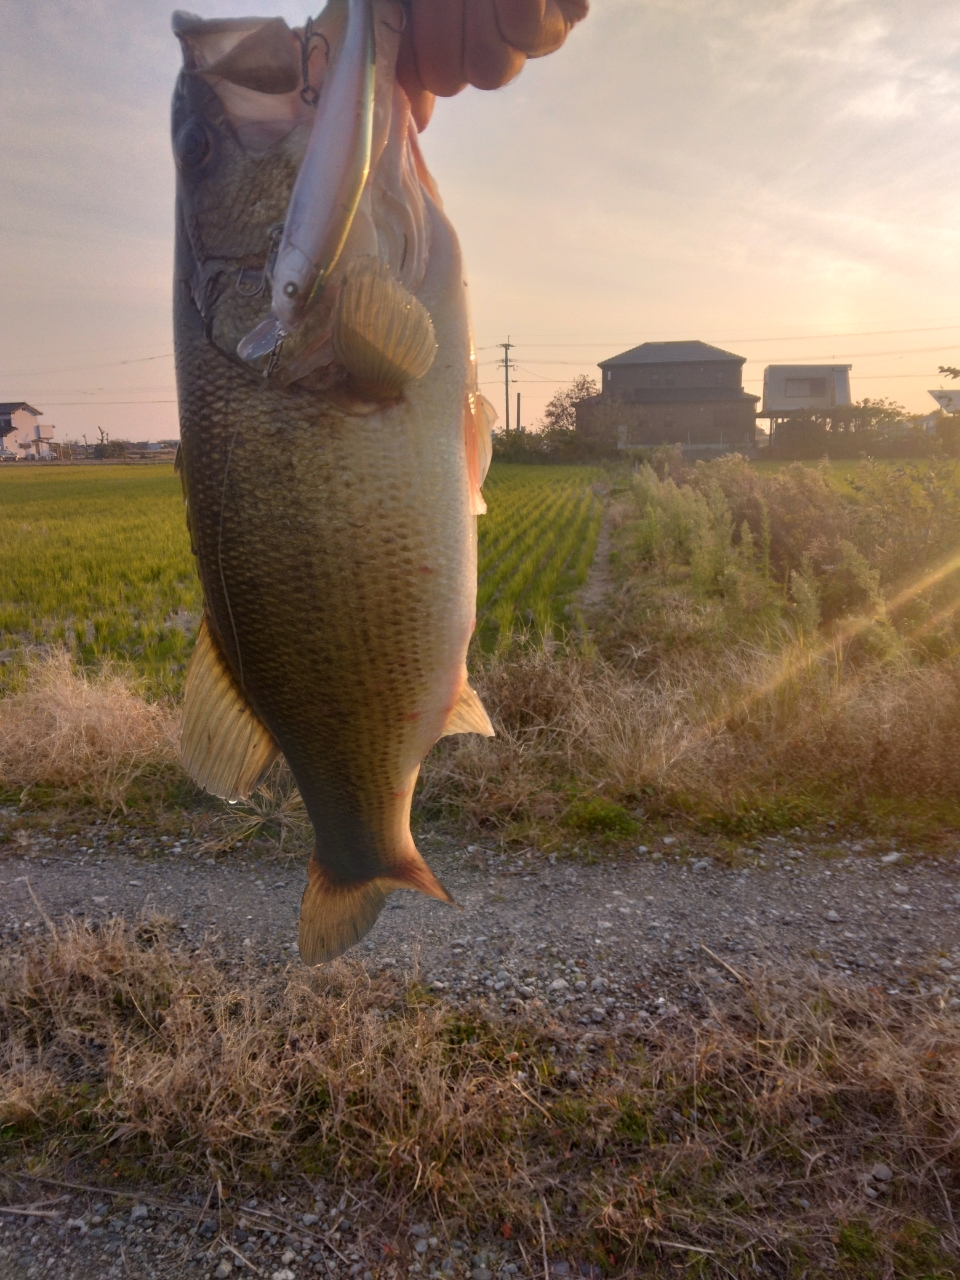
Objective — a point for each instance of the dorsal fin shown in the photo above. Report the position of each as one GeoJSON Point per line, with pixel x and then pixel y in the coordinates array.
{"type": "Point", "coordinates": [224, 747]}
{"type": "Point", "coordinates": [468, 715]}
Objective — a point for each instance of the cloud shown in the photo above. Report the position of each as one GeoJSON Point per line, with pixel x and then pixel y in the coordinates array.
{"type": "Point", "coordinates": [681, 168]}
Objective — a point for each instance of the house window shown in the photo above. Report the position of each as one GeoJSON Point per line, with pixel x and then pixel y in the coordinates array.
{"type": "Point", "coordinates": [806, 387]}
{"type": "Point", "coordinates": [669, 379]}
{"type": "Point", "coordinates": [609, 375]}
{"type": "Point", "coordinates": [718, 376]}
{"type": "Point", "coordinates": [654, 375]}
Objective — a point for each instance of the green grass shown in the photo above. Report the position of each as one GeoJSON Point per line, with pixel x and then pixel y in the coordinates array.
{"type": "Point", "coordinates": [98, 559]}
{"type": "Point", "coordinates": [843, 471]}
{"type": "Point", "coordinates": [536, 544]}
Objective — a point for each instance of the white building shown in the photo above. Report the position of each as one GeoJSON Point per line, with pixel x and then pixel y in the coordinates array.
{"type": "Point", "coordinates": [788, 387]}
{"type": "Point", "coordinates": [22, 434]}
{"type": "Point", "coordinates": [949, 401]}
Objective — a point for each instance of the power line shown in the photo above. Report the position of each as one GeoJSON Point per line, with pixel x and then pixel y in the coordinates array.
{"type": "Point", "coordinates": [62, 404]}
{"type": "Point", "coordinates": [796, 337]}
{"type": "Point", "coordinates": [113, 364]}
{"type": "Point", "coordinates": [832, 355]}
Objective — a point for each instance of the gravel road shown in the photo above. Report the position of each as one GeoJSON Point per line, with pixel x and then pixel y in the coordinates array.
{"type": "Point", "coordinates": [607, 938]}
{"type": "Point", "coordinates": [598, 940]}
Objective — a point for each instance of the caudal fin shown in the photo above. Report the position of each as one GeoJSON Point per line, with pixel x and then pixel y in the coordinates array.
{"type": "Point", "coordinates": [335, 916]}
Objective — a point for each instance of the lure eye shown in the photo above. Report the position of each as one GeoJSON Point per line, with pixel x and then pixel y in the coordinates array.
{"type": "Point", "coordinates": [193, 145]}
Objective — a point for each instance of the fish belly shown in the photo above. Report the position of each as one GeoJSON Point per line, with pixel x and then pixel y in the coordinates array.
{"type": "Point", "coordinates": [338, 559]}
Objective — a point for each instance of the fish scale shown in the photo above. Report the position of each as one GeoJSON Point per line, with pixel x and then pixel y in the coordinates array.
{"type": "Point", "coordinates": [336, 545]}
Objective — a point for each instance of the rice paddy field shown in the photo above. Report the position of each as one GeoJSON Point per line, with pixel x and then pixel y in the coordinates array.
{"type": "Point", "coordinates": [97, 559]}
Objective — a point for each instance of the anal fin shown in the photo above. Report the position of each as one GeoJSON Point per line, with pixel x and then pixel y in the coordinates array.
{"type": "Point", "coordinates": [224, 747]}
{"type": "Point", "coordinates": [468, 715]}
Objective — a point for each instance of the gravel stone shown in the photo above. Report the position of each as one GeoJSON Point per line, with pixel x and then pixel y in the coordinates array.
{"type": "Point", "coordinates": [529, 924]}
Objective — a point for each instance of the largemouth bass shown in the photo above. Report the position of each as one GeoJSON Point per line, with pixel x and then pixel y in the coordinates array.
{"type": "Point", "coordinates": [332, 473]}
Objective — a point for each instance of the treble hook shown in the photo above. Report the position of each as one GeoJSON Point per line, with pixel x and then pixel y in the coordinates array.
{"type": "Point", "coordinates": [310, 95]}
{"type": "Point", "coordinates": [273, 241]}
{"type": "Point", "coordinates": [274, 361]}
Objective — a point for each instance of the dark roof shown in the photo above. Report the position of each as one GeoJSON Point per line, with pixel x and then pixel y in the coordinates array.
{"type": "Point", "coordinates": [671, 352]}
{"type": "Point", "coordinates": [11, 406]}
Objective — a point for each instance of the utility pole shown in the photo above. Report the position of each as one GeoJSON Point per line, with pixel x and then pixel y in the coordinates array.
{"type": "Point", "coordinates": [519, 428]}
{"type": "Point", "coordinates": [506, 379]}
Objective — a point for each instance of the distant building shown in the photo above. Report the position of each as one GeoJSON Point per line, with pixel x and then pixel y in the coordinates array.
{"type": "Point", "coordinates": [22, 435]}
{"type": "Point", "coordinates": [792, 389]}
{"type": "Point", "coordinates": [949, 401]}
{"type": "Point", "coordinates": [686, 393]}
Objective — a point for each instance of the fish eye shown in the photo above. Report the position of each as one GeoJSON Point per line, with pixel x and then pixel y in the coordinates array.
{"type": "Point", "coordinates": [193, 145]}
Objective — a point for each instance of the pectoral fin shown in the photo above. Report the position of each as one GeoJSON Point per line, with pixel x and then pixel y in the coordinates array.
{"type": "Point", "coordinates": [224, 747]}
{"type": "Point", "coordinates": [382, 334]}
{"type": "Point", "coordinates": [479, 416]}
{"type": "Point", "coordinates": [468, 715]}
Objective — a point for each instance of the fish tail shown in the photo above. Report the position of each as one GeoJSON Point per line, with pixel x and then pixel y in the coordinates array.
{"type": "Point", "coordinates": [335, 916]}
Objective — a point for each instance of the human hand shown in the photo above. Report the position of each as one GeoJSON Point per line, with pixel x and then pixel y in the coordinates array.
{"type": "Point", "coordinates": [448, 44]}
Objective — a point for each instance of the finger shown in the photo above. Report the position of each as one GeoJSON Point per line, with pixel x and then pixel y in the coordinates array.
{"type": "Point", "coordinates": [421, 101]}
{"type": "Point", "coordinates": [488, 61]}
{"type": "Point", "coordinates": [437, 38]}
{"type": "Point", "coordinates": [421, 108]}
{"type": "Point", "coordinates": [558, 17]}
{"type": "Point", "coordinates": [520, 22]}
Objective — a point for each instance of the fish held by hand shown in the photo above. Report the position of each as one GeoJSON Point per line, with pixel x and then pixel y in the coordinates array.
{"type": "Point", "coordinates": [332, 505]}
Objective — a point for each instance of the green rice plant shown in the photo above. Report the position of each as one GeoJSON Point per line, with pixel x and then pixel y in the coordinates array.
{"type": "Point", "coordinates": [536, 545]}
{"type": "Point", "coordinates": [97, 560]}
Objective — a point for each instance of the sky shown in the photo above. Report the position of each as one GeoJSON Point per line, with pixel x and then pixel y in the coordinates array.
{"type": "Point", "coordinates": [777, 177]}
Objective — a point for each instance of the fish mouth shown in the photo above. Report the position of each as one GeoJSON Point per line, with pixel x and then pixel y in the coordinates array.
{"type": "Point", "coordinates": [326, 193]}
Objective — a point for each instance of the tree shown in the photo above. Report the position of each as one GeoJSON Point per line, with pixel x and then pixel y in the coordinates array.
{"type": "Point", "coordinates": [556, 439]}
{"type": "Point", "coordinates": [110, 449]}
{"type": "Point", "coordinates": [561, 411]}
{"type": "Point", "coordinates": [949, 370]}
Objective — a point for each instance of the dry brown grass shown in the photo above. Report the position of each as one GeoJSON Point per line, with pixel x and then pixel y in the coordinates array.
{"type": "Point", "coordinates": [749, 725]}
{"type": "Point", "coordinates": [745, 1134]}
{"type": "Point", "coordinates": [702, 739]}
{"type": "Point", "coordinates": [68, 732]}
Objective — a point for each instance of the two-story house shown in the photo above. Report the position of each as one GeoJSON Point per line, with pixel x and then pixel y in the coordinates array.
{"type": "Point", "coordinates": [22, 434]}
{"type": "Point", "coordinates": [686, 393]}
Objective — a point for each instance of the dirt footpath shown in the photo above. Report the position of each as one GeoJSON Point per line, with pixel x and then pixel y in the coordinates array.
{"type": "Point", "coordinates": [597, 942]}
{"type": "Point", "coordinates": [606, 940]}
